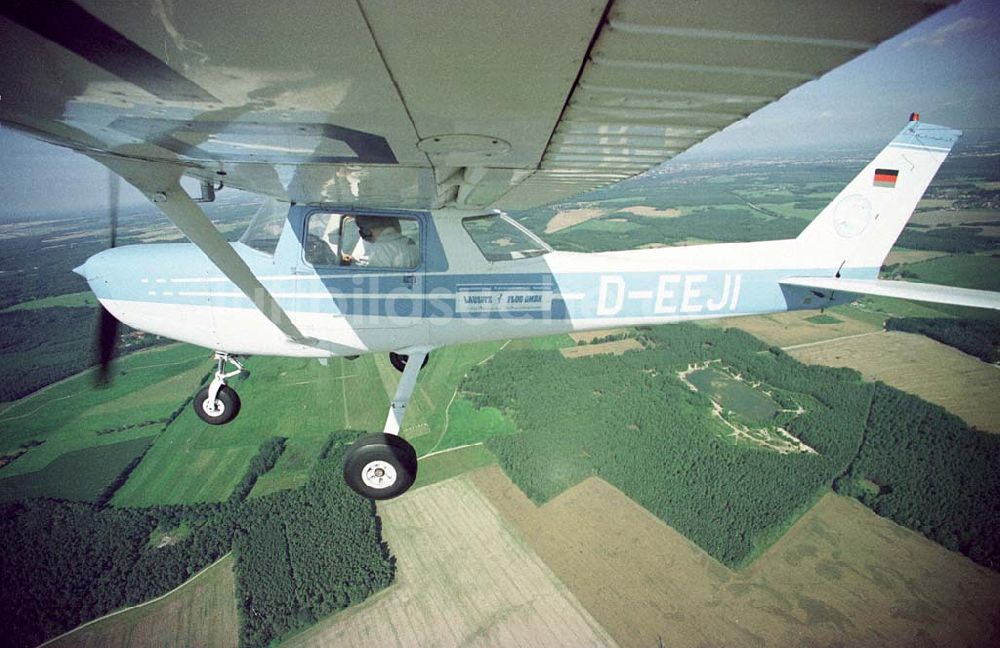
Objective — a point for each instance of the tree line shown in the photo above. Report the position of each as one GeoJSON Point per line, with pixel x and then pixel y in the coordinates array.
{"type": "Point", "coordinates": [956, 240]}
{"type": "Point", "coordinates": [268, 454]}
{"type": "Point", "coordinates": [980, 338]}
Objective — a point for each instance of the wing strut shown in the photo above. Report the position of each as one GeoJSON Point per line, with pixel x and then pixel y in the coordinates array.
{"type": "Point", "coordinates": [161, 184]}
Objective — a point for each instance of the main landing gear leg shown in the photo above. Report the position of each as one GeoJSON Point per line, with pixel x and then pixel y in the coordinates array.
{"type": "Point", "coordinates": [218, 403]}
{"type": "Point", "coordinates": [383, 466]}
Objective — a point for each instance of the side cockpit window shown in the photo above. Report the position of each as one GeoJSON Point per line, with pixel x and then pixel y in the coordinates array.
{"type": "Point", "coordinates": [500, 238]}
{"type": "Point", "coordinates": [385, 242]}
{"type": "Point", "coordinates": [265, 228]}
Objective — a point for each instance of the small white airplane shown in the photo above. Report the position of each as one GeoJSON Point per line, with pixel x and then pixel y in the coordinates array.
{"type": "Point", "coordinates": [389, 136]}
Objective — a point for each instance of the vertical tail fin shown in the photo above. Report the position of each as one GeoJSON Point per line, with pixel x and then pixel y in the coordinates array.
{"type": "Point", "coordinates": [856, 231]}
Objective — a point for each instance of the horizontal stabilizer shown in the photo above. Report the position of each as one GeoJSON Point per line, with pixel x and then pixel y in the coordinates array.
{"type": "Point", "coordinates": [901, 289]}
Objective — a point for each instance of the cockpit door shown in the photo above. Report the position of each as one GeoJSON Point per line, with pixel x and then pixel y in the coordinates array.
{"type": "Point", "coordinates": [365, 268]}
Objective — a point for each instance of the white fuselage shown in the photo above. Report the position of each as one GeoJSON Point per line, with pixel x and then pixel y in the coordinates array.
{"type": "Point", "coordinates": [175, 291]}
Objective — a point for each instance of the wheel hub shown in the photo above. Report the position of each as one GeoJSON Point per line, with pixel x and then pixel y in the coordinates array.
{"type": "Point", "coordinates": [378, 474]}
{"type": "Point", "coordinates": [213, 408]}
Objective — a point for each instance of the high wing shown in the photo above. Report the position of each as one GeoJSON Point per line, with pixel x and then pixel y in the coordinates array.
{"type": "Point", "coordinates": [416, 104]}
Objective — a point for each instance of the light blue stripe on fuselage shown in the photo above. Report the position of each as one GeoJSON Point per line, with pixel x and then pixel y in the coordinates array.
{"type": "Point", "coordinates": [589, 295]}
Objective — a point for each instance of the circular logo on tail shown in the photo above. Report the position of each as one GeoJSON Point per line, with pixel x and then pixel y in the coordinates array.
{"type": "Point", "coordinates": [852, 216]}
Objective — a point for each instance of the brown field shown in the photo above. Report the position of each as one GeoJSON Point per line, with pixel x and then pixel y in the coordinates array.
{"type": "Point", "coordinates": [463, 579]}
{"type": "Point", "coordinates": [652, 212]}
{"type": "Point", "coordinates": [202, 612]}
{"type": "Point", "coordinates": [962, 384]}
{"type": "Point", "coordinates": [571, 217]}
{"type": "Point", "coordinates": [617, 347]}
{"type": "Point", "coordinates": [841, 576]}
{"type": "Point", "coordinates": [589, 336]}
{"type": "Point", "coordinates": [792, 328]}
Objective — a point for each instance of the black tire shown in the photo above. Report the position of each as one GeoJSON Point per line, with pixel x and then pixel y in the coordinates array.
{"type": "Point", "coordinates": [398, 361]}
{"type": "Point", "coordinates": [380, 466]}
{"type": "Point", "coordinates": [227, 405]}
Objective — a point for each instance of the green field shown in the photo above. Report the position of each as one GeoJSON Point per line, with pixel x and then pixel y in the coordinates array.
{"type": "Point", "coordinates": [452, 463]}
{"type": "Point", "coordinates": [303, 401]}
{"type": "Point", "coordinates": [78, 475]}
{"type": "Point", "coordinates": [296, 398]}
{"type": "Point", "coordinates": [981, 271]}
{"type": "Point", "coordinates": [57, 433]}
{"type": "Point", "coordinates": [85, 298]}
{"type": "Point", "coordinates": [622, 223]}
{"type": "Point", "coordinates": [427, 415]}
{"type": "Point", "coordinates": [541, 343]}
{"type": "Point", "coordinates": [72, 415]}
{"type": "Point", "coordinates": [880, 308]}
{"type": "Point", "coordinates": [468, 425]}
{"type": "Point", "coordinates": [824, 319]}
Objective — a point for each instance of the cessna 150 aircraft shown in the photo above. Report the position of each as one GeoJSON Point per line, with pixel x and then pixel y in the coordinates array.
{"type": "Point", "coordinates": [390, 134]}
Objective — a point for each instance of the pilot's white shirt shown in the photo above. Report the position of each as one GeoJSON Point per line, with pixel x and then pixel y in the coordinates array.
{"type": "Point", "coordinates": [390, 250]}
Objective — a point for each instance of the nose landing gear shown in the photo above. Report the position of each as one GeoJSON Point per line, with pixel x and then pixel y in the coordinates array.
{"type": "Point", "coordinates": [218, 403]}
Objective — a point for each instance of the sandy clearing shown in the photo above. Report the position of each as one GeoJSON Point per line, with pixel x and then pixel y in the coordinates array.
{"type": "Point", "coordinates": [840, 576]}
{"type": "Point", "coordinates": [617, 347]}
{"type": "Point", "coordinates": [570, 217]}
{"type": "Point", "coordinates": [962, 384]}
{"type": "Point", "coordinates": [464, 579]}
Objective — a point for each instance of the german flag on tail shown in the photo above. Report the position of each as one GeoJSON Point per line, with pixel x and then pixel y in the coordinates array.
{"type": "Point", "coordinates": [886, 177]}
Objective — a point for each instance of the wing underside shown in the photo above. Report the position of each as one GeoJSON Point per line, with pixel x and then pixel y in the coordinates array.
{"type": "Point", "coordinates": [922, 292]}
{"type": "Point", "coordinates": [418, 104]}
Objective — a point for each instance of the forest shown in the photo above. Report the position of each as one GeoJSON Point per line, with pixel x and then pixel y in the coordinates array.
{"type": "Point", "coordinates": [923, 468]}
{"type": "Point", "coordinates": [307, 553]}
{"type": "Point", "coordinates": [39, 269]}
{"type": "Point", "coordinates": [88, 560]}
{"type": "Point", "coordinates": [43, 346]}
{"type": "Point", "coordinates": [630, 420]}
{"type": "Point", "coordinates": [980, 338]}
{"type": "Point", "coordinates": [955, 240]}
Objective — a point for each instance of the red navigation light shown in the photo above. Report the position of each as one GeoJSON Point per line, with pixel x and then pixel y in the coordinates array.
{"type": "Point", "coordinates": [914, 117]}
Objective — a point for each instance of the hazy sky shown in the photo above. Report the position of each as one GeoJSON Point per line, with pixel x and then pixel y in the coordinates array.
{"type": "Point", "coordinates": [947, 69]}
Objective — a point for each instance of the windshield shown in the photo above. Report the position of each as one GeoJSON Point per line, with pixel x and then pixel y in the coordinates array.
{"type": "Point", "coordinates": [265, 228]}
{"type": "Point", "coordinates": [500, 238]}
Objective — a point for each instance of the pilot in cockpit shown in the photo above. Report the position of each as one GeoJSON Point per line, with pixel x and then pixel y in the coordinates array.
{"type": "Point", "coordinates": [382, 244]}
